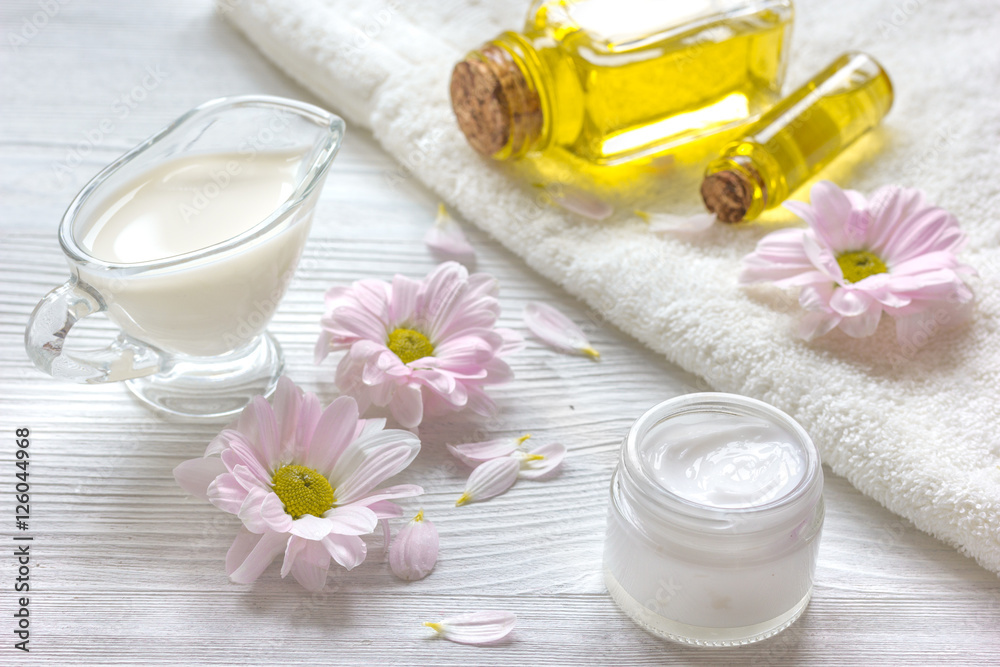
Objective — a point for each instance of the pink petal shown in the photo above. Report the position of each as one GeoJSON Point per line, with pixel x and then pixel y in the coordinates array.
{"type": "Point", "coordinates": [242, 454]}
{"type": "Point", "coordinates": [380, 463]}
{"type": "Point", "coordinates": [552, 456]}
{"type": "Point", "coordinates": [251, 554]}
{"type": "Point", "coordinates": [851, 302]}
{"type": "Point", "coordinates": [481, 627]}
{"type": "Point", "coordinates": [582, 202]}
{"type": "Point", "coordinates": [310, 412]}
{"type": "Point", "coordinates": [311, 566]}
{"type": "Point", "coordinates": [822, 257]}
{"type": "Point", "coordinates": [352, 520]}
{"type": "Point", "coordinates": [818, 323]}
{"type": "Point", "coordinates": [864, 324]}
{"type": "Point", "coordinates": [415, 550]}
{"type": "Point", "coordinates": [360, 450]}
{"type": "Point", "coordinates": [476, 346]}
{"type": "Point", "coordinates": [482, 286]}
{"type": "Point", "coordinates": [292, 550]}
{"type": "Point", "coordinates": [441, 383]}
{"type": "Point", "coordinates": [268, 436]}
{"type": "Point", "coordinates": [474, 453]}
{"type": "Point", "coordinates": [439, 293]}
{"type": "Point", "coordinates": [481, 404]}
{"type": "Point", "coordinates": [195, 475]}
{"type": "Point", "coordinates": [221, 442]}
{"type": "Point", "coordinates": [323, 347]}
{"type": "Point", "coordinates": [832, 210]}
{"type": "Point", "coordinates": [447, 240]}
{"type": "Point", "coordinates": [407, 406]}
{"type": "Point", "coordinates": [348, 550]}
{"type": "Point", "coordinates": [250, 513]}
{"type": "Point", "coordinates": [334, 432]}
{"type": "Point", "coordinates": [490, 479]}
{"type": "Point", "coordinates": [891, 206]}
{"type": "Point", "coordinates": [226, 493]}
{"type": "Point", "coordinates": [779, 256]}
{"type": "Point", "coordinates": [660, 223]}
{"type": "Point", "coordinates": [391, 493]}
{"type": "Point", "coordinates": [403, 303]}
{"type": "Point", "coordinates": [557, 330]}
{"type": "Point", "coordinates": [512, 341]}
{"type": "Point", "coordinates": [801, 209]}
{"type": "Point", "coordinates": [273, 514]}
{"type": "Point", "coordinates": [287, 399]}
{"type": "Point", "coordinates": [311, 527]}
{"type": "Point", "coordinates": [385, 509]}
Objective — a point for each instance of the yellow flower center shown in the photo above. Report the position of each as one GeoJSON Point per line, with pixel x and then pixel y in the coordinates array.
{"type": "Point", "coordinates": [303, 491]}
{"type": "Point", "coordinates": [859, 264]}
{"type": "Point", "coordinates": [409, 345]}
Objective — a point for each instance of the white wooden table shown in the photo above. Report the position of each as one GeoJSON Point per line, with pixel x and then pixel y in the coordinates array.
{"type": "Point", "coordinates": [126, 570]}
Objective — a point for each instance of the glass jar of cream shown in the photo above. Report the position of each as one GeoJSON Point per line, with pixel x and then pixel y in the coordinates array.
{"type": "Point", "coordinates": [715, 519]}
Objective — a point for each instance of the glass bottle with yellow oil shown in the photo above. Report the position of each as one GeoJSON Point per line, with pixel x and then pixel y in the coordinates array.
{"type": "Point", "coordinates": [797, 137]}
{"type": "Point", "coordinates": [608, 81]}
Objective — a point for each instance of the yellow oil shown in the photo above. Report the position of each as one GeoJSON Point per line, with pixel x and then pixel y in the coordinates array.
{"type": "Point", "coordinates": [627, 86]}
{"type": "Point", "coordinates": [623, 79]}
{"type": "Point", "coordinates": [804, 132]}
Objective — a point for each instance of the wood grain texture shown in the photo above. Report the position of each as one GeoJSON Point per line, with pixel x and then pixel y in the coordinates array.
{"type": "Point", "coordinates": [127, 570]}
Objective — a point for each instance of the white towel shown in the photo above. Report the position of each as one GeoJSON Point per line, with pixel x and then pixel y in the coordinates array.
{"type": "Point", "coordinates": [913, 428]}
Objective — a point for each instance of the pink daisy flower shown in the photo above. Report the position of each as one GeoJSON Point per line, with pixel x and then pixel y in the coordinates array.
{"type": "Point", "coordinates": [894, 254]}
{"type": "Point", "coordinates": [419, 347]}
{"type": "Point", "coordinates": [303, 481]}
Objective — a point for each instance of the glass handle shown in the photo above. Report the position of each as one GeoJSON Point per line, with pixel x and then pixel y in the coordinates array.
{"type": "Point", "coordinates": [51, 322]}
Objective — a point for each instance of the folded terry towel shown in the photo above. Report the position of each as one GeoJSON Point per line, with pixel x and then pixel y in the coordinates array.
{"type": "Point", "coordinates": [914, 427]}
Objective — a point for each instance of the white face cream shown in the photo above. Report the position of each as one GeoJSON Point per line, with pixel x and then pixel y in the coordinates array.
{"type": "Point", "coordinates": [725, 461]}
{"type": "Point", "coordinates": [713, 529]}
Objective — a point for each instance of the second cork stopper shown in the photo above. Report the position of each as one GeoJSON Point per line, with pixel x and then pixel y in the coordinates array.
{"type": "Point", "coordinates": [727, 194]}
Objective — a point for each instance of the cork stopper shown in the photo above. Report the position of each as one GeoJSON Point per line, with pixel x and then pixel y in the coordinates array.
{"type": "Point", "coordinates": [727, 194]}
{"type": "Point", "coordinates": [493, 102]}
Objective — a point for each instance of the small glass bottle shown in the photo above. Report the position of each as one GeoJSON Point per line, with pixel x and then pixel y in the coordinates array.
{"type": "Point", "coordinates": [612, 80]}
{"type": "Point", "coordinates": [714, 522]}
{"type": "Point", "coordinates": [797, 137]}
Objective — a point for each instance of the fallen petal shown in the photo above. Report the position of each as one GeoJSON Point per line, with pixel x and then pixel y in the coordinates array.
{"type": "Point", "coordinates": [480, 627]}
{"type": "Point", "coordinates": [557, 330]}
{"type": "Point", "coordinates": [540, 461]}
{"type": "Point", "coordinates": [582, 203]}
{"type": "Point", "coordinates": [660, 223]}
{"type": "Point", "coordinates": [447, 240]}
{"type": "Point", "coordinates": [490, 479]}
{"type": "Point", "coordinates": [415, 550]}
{"type": "Point", "coordinates": [474, 453]}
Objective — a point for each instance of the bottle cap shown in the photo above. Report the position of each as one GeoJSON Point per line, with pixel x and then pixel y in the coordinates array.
{"type": "Point", "coordinates": [728, 194]}
{"type": "Point", "coordinates": [493, 102]}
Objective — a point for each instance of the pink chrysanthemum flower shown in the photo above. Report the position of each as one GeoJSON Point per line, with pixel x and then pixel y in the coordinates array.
{"type": "Point", "coordinates": [303, 481]}
{"type": "Point", "coordinates": [894, 253]}
{"type": "Point", "coordinates": [419, 347]}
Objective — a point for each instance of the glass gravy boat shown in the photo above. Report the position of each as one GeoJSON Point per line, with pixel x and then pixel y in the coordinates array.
{"type": "Point", "coordinates": [192, 339]}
